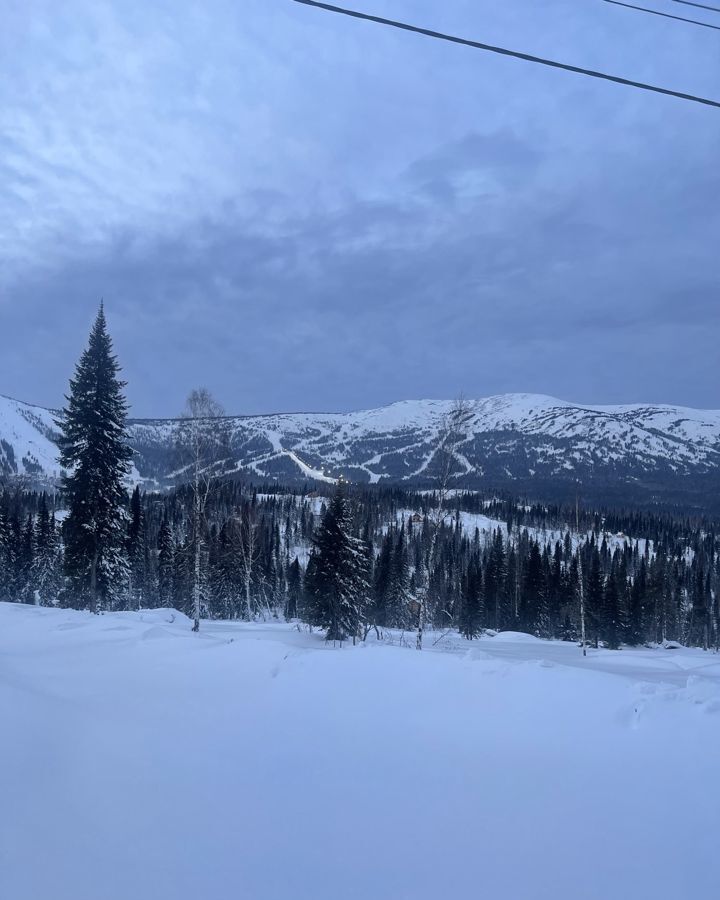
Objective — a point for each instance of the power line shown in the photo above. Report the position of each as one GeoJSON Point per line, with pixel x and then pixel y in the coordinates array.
{"type": "Point", "coordinates": [698, 5]}
{"type": "Point", "coordinates": [656, 12]}
{"type": "Point", "coordinates": [504, 52]}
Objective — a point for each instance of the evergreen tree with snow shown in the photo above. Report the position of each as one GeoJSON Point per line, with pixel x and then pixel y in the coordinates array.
{"type": "Point", "coordinates": [25, 562]}
{"type": "Point", "coordinates": [10, 545]}
{"type": "Point", "coordinates": [224, 583]}
{"type": "Point", "coordinates": [95, 458]}
{"type": "Point", "coordinates": [595, 596]}
{"type": "Point", "coordinates": [470, 619]}
{"type": "Point", "coordinates": [136, 553]}
{"type": "Point", "coordinates": [391, 585]}
{"type": "Point", "coordinates": [47, 564]}
{"type": "Point", "coordinates": [5, 552]}
{"type": "Point", "coordinates": [381, 581]}
{"type": "Point", "coordinates": [399, 583]}
{"type": "Point", "coordinates": [336, 582]}
{"type": "Point", "coordinates": [294, 590]}
{"type": "Point", "coordinates": [510, 599]}
{"type": "Point", "coordinates": [495, 573]}
{"type": "Point", "coordinates": [165, 564]}
{"type": "Point", "coordinates": [533, 599]}
{"type": "Point", "coordinates": [613, 628]}
{"type": "Point", "coordinates": [634, 630]}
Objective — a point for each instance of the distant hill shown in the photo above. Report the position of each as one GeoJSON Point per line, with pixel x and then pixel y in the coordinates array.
{"type": "Point", "coordinates": [636, 454]}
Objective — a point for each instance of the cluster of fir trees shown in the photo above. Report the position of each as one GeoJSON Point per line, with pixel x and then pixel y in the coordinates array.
{"type": "Point", "coordinates": [357, 560]}
{"type": "Point", "coordinates": [31, 559]}
{"type": "Point", "coordinates": [248, 564]}
{"type": "Point", "coordinates": [631, 595]}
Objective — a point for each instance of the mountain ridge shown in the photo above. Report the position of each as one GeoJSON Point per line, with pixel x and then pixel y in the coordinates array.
{"type": "Point", "coordinates": [590, 407]}
{"type": "Point", "coordinates": [515, 441]}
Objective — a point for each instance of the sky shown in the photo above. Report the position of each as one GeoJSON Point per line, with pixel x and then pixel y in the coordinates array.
{"type": "Point", "coordinates": [305, 212]}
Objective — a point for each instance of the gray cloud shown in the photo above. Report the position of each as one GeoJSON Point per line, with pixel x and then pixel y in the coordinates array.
{"type": "Point", "coordinates": [273, 211]}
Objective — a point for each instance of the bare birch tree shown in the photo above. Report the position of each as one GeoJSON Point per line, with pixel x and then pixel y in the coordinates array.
{"type": "Point", "coordinates": [247, 547]}
{"type": "Point", "coordinates": [203, 438]}
{"type": "Point", "coordinates": [450, 436]}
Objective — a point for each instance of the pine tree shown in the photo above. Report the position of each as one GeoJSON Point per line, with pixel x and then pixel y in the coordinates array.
{"type": "Point", "coordinates": [555, 587]}
{"type": "Point", "coordinates": [700, 615]}
{"type": "Point", "coordinates": [336, 581]}
{"type": "Point", "coordinates": [391, 582]}
{"type": "Point", "coordinates": [398, 597]}
{"type": "Point", "coordinates": [136, 553]}
{"type": "Point", "coordinates": [12, 583]}
{"type": "Point", "coordinates": [634, 630]}
{"type": "Point", "coordinates": [595, 585]}
{"type": "Point", "coordinates": [612, 626]}
{"type": "Point", "coordinates": [5, 552]}
{"type": "Point", "coordinates": [166, 564]}
{"type": "Point", "coordinates": [47, 565]}
{"type": "Point", "coordinates": [471, 603]}
{"type": "Point", "coordinates": [495, 573]}
{"type": "Point", "coordinates": [220, 572]}
{"type": "Point", "coordinates": [508, 615]}
{"type": "Point", "coordinates": [533, 601]}
{"type": "Point", "coordinates": [381, 581]}
{"type": "Point", "coordinates": [95, 456]}
{"type": "Point", "coordinates": [25, 562]}
{"type": "Point", "coordinates": [294, 590]}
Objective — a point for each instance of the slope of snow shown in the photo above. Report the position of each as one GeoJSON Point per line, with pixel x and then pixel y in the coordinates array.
{"type": "Point", "coordinates": [308, 471]}
{"type": "Point", "coordinates": [26, 428]}
{"type": "Point", "coordinates": [141, 761]}
{"type": "Point", "coordinates": [544, 536]}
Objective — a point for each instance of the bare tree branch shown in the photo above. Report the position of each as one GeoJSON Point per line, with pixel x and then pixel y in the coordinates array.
{"type": "Point", "coordinates": [202, 435]}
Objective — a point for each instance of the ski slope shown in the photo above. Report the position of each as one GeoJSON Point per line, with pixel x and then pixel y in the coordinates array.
{"type": "Point", "coordinates": [505, 438]}
{"type": "Point", "coordinates": [254, 761]}
{"type": "Point", "coordinates": [29, 432]}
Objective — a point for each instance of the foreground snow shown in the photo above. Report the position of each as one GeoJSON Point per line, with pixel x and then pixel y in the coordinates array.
{"type": "Point", "coordinates": [252, 761]}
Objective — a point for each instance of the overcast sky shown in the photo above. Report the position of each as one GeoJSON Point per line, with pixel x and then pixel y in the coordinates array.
{"type": "Point", "coordinates": [306, 212]}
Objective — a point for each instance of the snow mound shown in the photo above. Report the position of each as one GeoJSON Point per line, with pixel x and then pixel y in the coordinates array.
{"type": "Point", "coordinates": [160, 617]}
{"type": "Point", "coordinates": [517, 637]}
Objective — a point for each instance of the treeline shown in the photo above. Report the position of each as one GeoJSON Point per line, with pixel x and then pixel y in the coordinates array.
{"type": "Point", "coordinates": [363, 559]}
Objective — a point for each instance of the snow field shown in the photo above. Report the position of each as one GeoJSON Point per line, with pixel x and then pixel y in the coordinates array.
{"type": "Point", "coordinates": [255, 761]}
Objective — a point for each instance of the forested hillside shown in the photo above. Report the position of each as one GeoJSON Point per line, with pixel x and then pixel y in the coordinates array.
{"type": "Point", "coordinates": [498, 563]}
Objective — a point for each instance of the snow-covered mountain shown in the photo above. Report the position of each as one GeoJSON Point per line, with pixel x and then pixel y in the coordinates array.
{"type": "Point", "coordinates": [520, 442]}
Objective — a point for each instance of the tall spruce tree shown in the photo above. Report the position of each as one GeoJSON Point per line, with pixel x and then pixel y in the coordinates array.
{"type": "Point", "coordinates": [294, 589]}
{"type": "Point", "coordinates": [136, 549]}
{"type": "Point", "coordinates": [399, 595]}
{"type": "Point", "coordinates": [381, 581]}
{"type": "Point", "coordinates": [165, 564]}
{"type": "Point", "coordinates": [337, 579]}
{"type": "Point", "coordinates": [95, 457]}
{"type": "Point", "coordinates": [612, 626]}
{"type": "Point", "coordinates": [47, 564]}
{"type": "Point", "coordinates": [25, 562]}
{"type": "Point", "coordinates": [471, 610]}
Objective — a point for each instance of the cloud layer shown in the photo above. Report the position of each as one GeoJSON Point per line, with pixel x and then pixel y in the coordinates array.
{"type": "Point", "coordinates": [307, 213]}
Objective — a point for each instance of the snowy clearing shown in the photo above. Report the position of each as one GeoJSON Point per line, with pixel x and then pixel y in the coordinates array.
{"type": "Point", "coordinates": [253, 761]}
